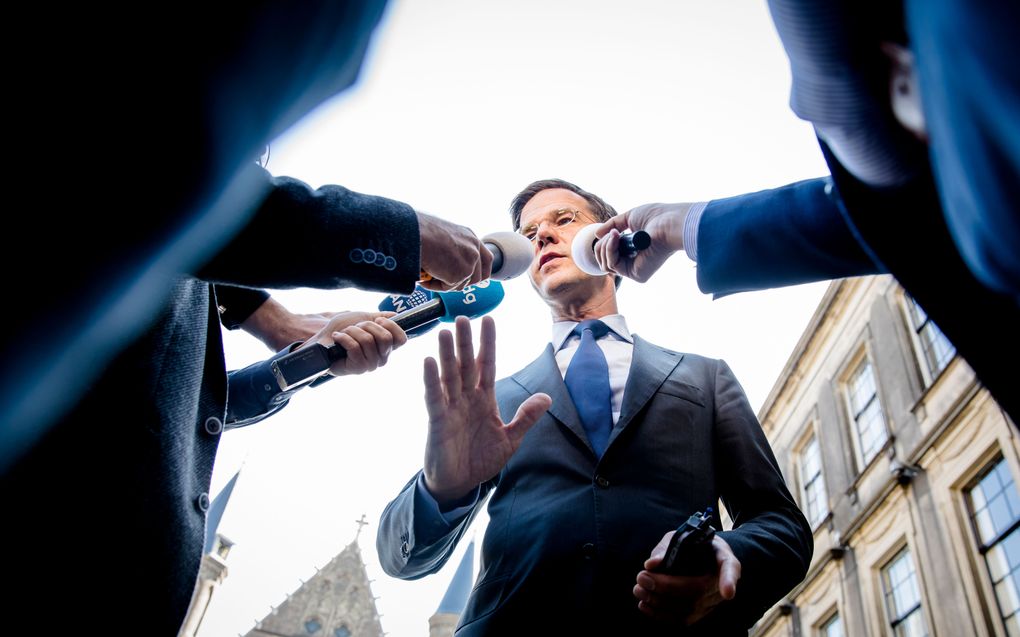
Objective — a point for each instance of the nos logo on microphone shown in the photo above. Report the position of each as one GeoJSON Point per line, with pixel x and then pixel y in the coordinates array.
{"type": "Point", "coordinates": [402, 302]}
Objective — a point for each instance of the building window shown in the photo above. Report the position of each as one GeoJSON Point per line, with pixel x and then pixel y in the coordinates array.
{"type": "Point", "coordinates": [903, 597]}
{"type": "Point", "coordinates": [833, 627]}
{"type": "Point", "coordinates": [866, 411]}
{"type": "Point", "coordinates": [343, 631]}
{"type": "Point", "coordinates": [816, 502]}
{"type": "Point", "coordinates": [995, 512]}
{"type": "Point", "coordinates": [935, 349]}
{"type": "Point", "coordinates": [313, 626]}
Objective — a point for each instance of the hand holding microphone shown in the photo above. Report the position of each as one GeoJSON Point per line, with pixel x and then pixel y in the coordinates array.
{"type": "Point", "coordinates": [423, 308]}
{"type": "Point", "coordinates": [367, 338]}
{"type": "Point", "coordinates": [453, 257]}
{"type": "Point", "coordinates": [664, 224]}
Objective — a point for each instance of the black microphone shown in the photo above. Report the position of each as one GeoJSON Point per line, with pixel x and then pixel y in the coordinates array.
{"type": "Point", "coordinates": [631, 242]}
{"type": "Point", "coordinates": [402, 302]}
{"type": "Point", "coordinates": [309, 363]}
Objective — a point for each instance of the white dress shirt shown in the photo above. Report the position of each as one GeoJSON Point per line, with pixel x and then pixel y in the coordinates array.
{"type": "Point", "coordinates": [617, 345]}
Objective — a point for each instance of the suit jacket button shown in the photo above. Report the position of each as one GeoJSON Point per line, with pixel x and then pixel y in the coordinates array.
{"type": "Point", "coordinates": [390, 263]}
{"type": "Point", "coordinates": [202, 502]}
{"type": "Point", "coordinates": [213, 426]}
{"type": "Point", "coordinates": [356, 255]}
{"type": "Point", "coordinates": [369, 256]}
{"type": "Point", "coordinates": [588, 550]}
{"type": "Point", "coordinates": [601, 481]}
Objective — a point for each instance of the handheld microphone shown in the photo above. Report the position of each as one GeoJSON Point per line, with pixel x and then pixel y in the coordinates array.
{"type": "Point", "coordinates": [308, 363]}
{"type": "Point", "coordinates": [402, 302]}
{"type": "Point", "coordinates": [511, 255]}
{"type": "Point", "coordinates": [583, 250]}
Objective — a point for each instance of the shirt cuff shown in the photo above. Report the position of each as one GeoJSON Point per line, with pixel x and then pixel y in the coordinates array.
{"type": "Point", "coordinates": [691, 223]}
{"type": "Point", "coordinates": [430, 506]}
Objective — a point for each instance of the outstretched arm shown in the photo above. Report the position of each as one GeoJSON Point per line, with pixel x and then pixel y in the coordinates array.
{"type": "Point", "coordinates": [468, 444]}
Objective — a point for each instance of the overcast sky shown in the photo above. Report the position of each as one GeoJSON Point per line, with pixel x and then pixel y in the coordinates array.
{"type": "Point", "coordinates": [461, 104]}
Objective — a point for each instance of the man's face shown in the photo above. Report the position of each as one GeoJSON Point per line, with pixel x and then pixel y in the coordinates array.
{"type": "Point", "coordinates": [554, 275]}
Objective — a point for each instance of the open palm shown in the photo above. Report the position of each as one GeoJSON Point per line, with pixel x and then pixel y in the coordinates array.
{"type": "Point", "coordinates": [468, 442]}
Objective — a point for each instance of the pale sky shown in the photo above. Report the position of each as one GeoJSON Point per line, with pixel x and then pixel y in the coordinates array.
{"type": "Point", "coordinates": [463, 103]}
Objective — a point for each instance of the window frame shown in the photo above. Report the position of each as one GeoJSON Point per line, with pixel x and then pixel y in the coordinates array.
{"type": "Point", "coordinates": [982, 548]}
{"type": "Point", "coordinates": [811, 435]}
{"type": "Point", "coordinates": [860, 357]}
{"type": "Point", "coordinates": [894, 620]}
{"type": "Point", "coordinates": [921, 353]}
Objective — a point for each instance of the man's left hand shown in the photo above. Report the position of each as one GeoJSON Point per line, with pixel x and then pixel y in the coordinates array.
{"type": "Point", "coordinates": [686, 599]}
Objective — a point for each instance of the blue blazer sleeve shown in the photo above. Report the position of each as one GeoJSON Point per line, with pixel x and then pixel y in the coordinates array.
{"type": "Point", "coordinates": [253, 393]}
{"type": "Point", "coordinates": [773, 238]}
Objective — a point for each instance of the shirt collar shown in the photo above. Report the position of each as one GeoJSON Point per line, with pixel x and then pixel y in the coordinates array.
{"type": "Point", "coordinates": [617, 325]}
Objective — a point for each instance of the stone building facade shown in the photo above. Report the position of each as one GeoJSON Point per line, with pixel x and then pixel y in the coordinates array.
{"type": "Point", "coordinates": [907, 470]}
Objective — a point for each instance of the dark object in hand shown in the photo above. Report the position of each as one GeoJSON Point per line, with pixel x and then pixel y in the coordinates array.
{"type": "Point", "coordinates": [690, 549]}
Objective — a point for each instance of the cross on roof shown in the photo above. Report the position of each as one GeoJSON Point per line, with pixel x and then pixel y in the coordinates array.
{"type": "Point", "coordinates": [361, 523]}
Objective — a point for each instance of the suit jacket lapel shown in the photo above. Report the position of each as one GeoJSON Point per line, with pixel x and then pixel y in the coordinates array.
{"type": "Point", "coordinates": [649, 368]}
{"type": "Point", "coordinates": [543, 375]}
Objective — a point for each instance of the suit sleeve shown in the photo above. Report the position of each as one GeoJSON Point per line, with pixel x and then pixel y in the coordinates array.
{"type": "Point", "coordinates": [329, 237]}
{"type": "Point", "coordinates": [773, 238]}
{"type": "Point", "coordinates": [770, 535]}
{"type": "Point", "coordinates": [413, 539]}
{"type": "Point", "coordinates": [236, 304]}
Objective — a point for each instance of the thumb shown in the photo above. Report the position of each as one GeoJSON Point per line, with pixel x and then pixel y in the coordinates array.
{"type": "Point", "coordinates": [527, 415]}
{"type": "Point", "coordinates": [620, 222]}
{"type": "Point", "coordinates": [729, 574]}
{"type": "Point", "coordinates": [659, 551]}
{"type": "Point", "coordinates": [355, 317]}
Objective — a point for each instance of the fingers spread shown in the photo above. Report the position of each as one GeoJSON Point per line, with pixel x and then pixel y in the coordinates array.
{"type": "Point", "coordinates": [435, 399]}
{"type": "Point", "coordinates": [487, 354]}
{"type": "Point", "coordinates": [449, 371]}
{"type": "Point", "coordinates": [466, 354]}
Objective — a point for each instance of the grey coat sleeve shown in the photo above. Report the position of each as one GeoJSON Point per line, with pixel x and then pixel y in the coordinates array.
{"type": "Point", "coordinates": [412, 541]}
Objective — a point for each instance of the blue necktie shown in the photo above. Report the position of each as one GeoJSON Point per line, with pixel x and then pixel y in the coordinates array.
{"type": "Point", "coordinates": [587, 380]}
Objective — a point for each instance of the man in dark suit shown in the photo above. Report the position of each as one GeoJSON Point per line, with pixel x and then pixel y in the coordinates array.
{"type": "Point", "coordinates": [923, 178]}
{"type": "Point", "coordinates": [586, 487]}
{"type": "Point", "coordinates": [113, 391]}
{"type": "Point", "coordinates": [164, 111]}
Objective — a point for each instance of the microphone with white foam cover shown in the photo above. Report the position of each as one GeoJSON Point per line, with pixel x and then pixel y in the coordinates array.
{"type": "Point", "coordinates": [583, 249]}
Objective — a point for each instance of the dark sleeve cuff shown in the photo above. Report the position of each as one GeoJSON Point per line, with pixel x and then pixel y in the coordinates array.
{"type": "Point", "coordinates": [236, 304]}
{"type": "Point", "coordinates": [253, 393]}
